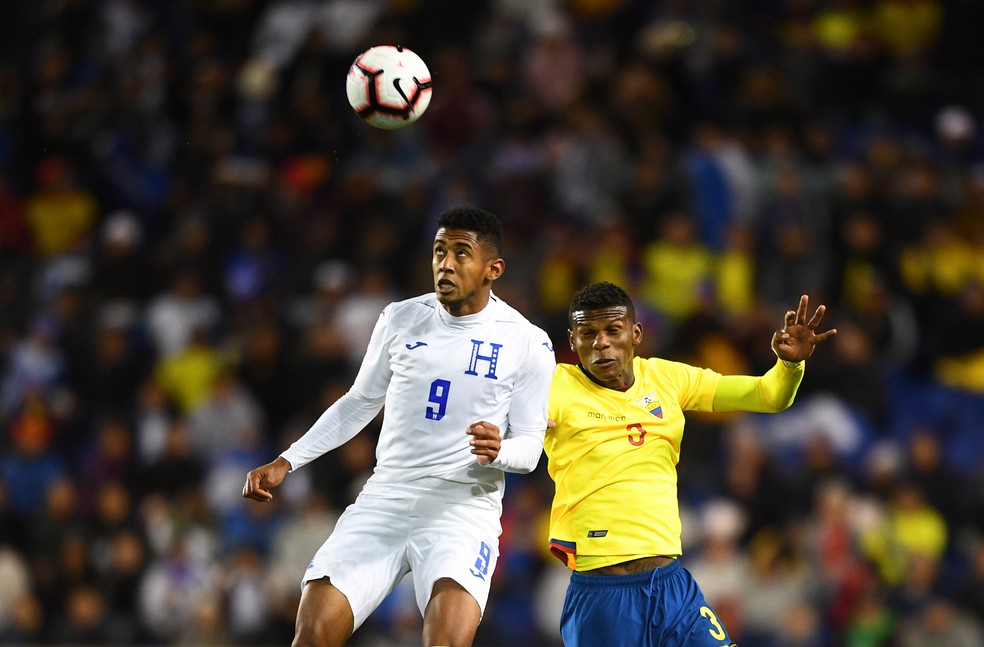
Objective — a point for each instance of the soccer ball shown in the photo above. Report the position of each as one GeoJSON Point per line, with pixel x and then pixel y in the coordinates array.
{"type": "Point", "coordinates": [389, 86]}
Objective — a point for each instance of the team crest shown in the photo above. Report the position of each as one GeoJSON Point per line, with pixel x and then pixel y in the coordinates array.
{"type": "Point", "coordinates": [651, 404]}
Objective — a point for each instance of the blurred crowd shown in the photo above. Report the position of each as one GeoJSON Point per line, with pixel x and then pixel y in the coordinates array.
{"type": "Point", "coordinates": [197, 235]}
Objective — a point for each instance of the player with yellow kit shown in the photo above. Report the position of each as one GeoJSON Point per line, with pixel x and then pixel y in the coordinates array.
{"type": "Point", "coordinates": [613, 449]}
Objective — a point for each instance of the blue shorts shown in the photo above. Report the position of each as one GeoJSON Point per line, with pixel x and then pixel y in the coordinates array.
{"type": "Point", "coordinates": [659, 608]}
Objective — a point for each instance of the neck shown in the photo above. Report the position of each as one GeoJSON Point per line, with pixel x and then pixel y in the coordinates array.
{"type": "Point", "coordinates": [619, 385]}
{"type": "Point", "coordinates": [472, 305]}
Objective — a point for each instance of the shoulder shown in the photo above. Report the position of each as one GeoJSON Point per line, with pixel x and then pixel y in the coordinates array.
{"type": "Point", "coordinates": [660, 364]}
{"type": "Point", "coordinates": [413, 308]}
{"type": "Point", "coordinates": [509, 316]}
{"type": "Point", "coordinates": [505, 313]}
{"type": "Point", "coordinates": [566, 374]}
{"type": "Point", "coordinates": [666, 370]}
{"type": "Point", "coordinates": [570, 389]}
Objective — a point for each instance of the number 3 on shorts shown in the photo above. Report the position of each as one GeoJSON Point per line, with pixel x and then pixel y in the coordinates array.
{"type": "Point", "coordinates": [718, 631]}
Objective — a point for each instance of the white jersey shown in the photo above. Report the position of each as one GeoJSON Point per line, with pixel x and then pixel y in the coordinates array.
{"type": "Point", "coordinates": [437, 374]}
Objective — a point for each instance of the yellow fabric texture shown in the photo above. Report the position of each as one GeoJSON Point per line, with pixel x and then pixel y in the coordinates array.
{"type": "Point", "coordinates": [613, 454]}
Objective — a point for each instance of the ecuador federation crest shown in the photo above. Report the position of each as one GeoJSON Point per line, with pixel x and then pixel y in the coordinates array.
{"type": "Point", "coordinates": [651, 404]}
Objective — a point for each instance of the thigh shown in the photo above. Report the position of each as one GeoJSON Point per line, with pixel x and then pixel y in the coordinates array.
{"type": "Point", "coordinates": [452, 615]}
{"type": "Point", "coordinates": [661, 608]}
{"type": "Point", "coordinates": [458, 541]}
{"type": "Point", "coordinates": [365, 556]}
{"type": "Point", "coordinates": [691, 622]}
{"type": "Point", "coordinates": [324, 616]}
{"type": "Point", "coordinates": [602, 616]}
{"type": "Point", "coordinates": [700, 627]}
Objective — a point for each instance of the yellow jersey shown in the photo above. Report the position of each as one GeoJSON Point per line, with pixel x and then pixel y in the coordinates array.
{"type": "Point", "coordinates": [613, 454]}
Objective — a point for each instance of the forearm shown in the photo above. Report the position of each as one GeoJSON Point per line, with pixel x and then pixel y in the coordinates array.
{"type": "Point", "coordinates": [519, 453]}
{"type": "Point", "coordinates": [520, 450]}
{"type": "Point", "coordinates": [337, 425]}
{"type": "Point", "coordinates": [769, 393]}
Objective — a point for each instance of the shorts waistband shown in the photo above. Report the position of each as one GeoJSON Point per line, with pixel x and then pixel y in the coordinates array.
{"type": "Point", "coordinates": [644, 578]}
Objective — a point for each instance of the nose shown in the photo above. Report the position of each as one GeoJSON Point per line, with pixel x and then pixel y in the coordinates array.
{"type": "Point", "coordinates": [446, 264]}
{"type": "Point", "coordinates": [601, 341]}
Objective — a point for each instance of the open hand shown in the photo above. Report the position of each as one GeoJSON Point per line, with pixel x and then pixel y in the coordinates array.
{"type": "Point", "coordinates": [798, 337]}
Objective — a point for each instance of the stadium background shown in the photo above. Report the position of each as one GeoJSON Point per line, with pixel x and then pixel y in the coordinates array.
{"type": "Point", "coordinates": [196, 235]}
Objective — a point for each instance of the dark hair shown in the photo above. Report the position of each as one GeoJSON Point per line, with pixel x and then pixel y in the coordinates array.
{"type": "Point", "coordinates": [485, 225]}
{"type": "Point", "coordinates": [595, 296]}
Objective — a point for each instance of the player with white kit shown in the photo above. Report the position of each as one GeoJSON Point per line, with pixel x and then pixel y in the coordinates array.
{"type": "Point", "coordinates": [465, 382]}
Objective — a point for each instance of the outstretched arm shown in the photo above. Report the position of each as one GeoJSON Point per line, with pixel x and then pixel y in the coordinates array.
{"type": "Point", "coordinates": [337, 425]}
{"type": "Point", "coordinates": [776, 390]}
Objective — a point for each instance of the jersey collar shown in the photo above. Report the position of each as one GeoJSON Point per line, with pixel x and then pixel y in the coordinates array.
{"type": "Point", "coordinates": [469, 321]}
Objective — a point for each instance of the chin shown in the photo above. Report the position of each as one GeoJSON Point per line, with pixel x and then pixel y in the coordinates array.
{"type": "Point", "coordinates": [608, 378]}
{"type": "Point", "coordinates": [448, 301]}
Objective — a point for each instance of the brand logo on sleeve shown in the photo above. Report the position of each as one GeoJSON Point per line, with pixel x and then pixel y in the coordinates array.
{"type": "Point", "coordinates": [416, 345]}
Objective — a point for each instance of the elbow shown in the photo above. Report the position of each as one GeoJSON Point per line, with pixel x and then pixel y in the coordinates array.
{"type": "Point", "coordinates": [526, 468]}
{"type": "Point", "coordinates": [782, 406]}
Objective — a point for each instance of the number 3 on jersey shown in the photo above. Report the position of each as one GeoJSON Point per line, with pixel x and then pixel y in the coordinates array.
{"type": "Point", "coordinates": [438, 397]}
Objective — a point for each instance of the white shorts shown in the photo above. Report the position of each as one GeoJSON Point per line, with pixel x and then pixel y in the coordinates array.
{"type": "Point", "coordinates": [432, 528]}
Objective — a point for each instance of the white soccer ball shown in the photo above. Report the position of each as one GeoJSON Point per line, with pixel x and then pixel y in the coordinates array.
{"type": "Point", "coordinates": [389, 86]}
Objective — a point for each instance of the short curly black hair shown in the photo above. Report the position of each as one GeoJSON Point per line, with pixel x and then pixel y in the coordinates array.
{"type": "Point", "coordinates": [486, 226]}
{"type": "Point", "coordinates": [595, 296]}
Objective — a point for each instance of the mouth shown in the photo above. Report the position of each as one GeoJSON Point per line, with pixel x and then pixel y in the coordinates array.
{"type": "Point", "coordinates": [444, 286]}
{"type": "Point", "coordinates": [604, 362]}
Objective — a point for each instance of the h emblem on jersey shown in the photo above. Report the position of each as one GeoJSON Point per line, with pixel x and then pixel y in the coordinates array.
{"type": "Point", "coordinates": [492, 358]}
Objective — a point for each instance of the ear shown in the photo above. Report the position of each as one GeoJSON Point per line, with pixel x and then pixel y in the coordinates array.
{"type": "Point", "coordinates": [495, 269]}
{"type": "Point", "coordinates": [637, 333]}
{"type": "Point", "coordinates": [570, 338]}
